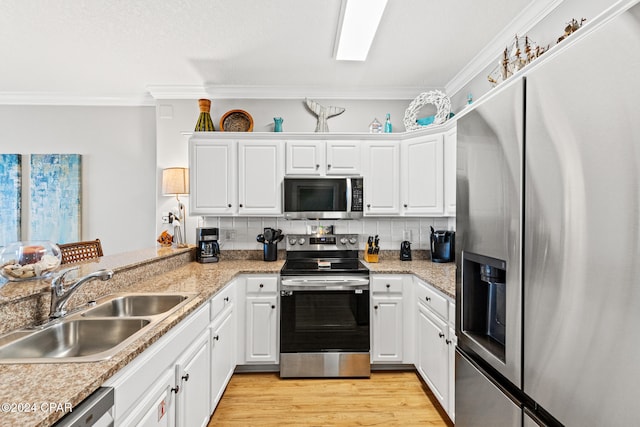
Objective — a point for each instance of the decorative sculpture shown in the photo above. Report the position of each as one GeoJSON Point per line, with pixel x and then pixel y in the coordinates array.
{"type": "Point", "coordinates": [323, 113]}
{"type": "Point", "coordinates": [435, 97]}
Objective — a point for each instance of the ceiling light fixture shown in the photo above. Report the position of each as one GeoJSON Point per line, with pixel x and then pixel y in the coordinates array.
{"type": "Point", "coordinates": [360, 20]}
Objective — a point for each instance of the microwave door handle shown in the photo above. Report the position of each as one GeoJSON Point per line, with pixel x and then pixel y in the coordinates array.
{"type": "Point", "coordinates": [349, 195]}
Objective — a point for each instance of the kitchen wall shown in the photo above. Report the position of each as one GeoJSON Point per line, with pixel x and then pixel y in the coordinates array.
{"type": "Point", "coordinates": [118, 147]}
{"type": "Point", "coordinates": [177, 118]}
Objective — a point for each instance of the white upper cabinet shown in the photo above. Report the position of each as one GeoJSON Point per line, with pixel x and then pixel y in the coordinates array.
{"type": "Point", "coordinates": [422, 175]}
{"type": "Point", "coordinates": [414, 175]}
{"type": "Point", "coordinates": [343, 157]}
{"type": "Point", "coordinates": [320, 158]}
{"type": "Point", "coordinates": [213, 177]}
{"type": "Point", "coordinates": [304, 157]}
{"type": "Point", "coordinates": [260, 167]}
{"type": "Point", "coordinates": [382, 178]}
{"type": "Point", "coordinates": [450, 143]}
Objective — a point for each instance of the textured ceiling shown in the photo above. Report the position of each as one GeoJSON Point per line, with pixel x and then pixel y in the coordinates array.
{"type": "Point", "coordinates": [118, 48]}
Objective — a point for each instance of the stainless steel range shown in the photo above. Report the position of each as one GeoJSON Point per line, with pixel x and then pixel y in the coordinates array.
{"type": "Point", "coordinates": [324, 299]}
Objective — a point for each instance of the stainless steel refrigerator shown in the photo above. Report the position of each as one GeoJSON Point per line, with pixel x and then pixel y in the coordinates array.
{"type": "Point", "coordinates": [548, 240]}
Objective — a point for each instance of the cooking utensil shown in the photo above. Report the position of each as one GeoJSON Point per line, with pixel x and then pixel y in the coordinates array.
{"type": "Point", "coordinates": [268, 235]}
{"type": "Point", "coordinates": [260, 238]}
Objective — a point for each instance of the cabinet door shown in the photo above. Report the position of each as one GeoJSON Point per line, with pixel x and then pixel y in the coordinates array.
{"type": "Point", "coordinates": [387, 328]}
{"type": "Point", "coordinates": [422, 176]}
{"type": "Point", "coordinates": [343, 157]}
{"type": "Point", "coordinates": [260, 165]}
{"type": "Point", "coordinates": [304, 157]}
{"type": "Point", "coordinates": [212, 176]}
{"type": "Point", "coordinates": [450, 138]}
{"type": "Point", "coordinates": [381, 178]}
{"type": "Point", "coordinates": [433, 354]}
{"type": "Point", "coordinates": [193, 376]}
{"type": "Point", "coordinates": [222, 356]}
{"type": "Point", "coordinates": [158, 408]}
{"type": "Point", "coordinates": [261, 330]}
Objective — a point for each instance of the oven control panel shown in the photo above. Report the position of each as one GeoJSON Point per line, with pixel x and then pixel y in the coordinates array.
{"type": "Point", "coordinates": [326, 242]}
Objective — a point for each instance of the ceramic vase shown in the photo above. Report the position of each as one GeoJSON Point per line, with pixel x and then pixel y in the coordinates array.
{"type": "Point", "coordinates": [277, 124]}
{"type": "Point", "coordinates": [204, 124]}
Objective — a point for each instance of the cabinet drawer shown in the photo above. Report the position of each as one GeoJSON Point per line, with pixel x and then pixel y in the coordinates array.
{"type": "Point", "coordinates": [433, 300]}
{"type": "Point", "coordinates": [222, 300]}
{"type": "Point", "coordinates": [386, 284]}
{"type": "Point", "coordinates": [262, 285]}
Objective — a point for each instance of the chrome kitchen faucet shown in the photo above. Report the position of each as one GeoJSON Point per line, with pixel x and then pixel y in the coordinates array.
{"type": "Point", "coordinates": [60, 295]}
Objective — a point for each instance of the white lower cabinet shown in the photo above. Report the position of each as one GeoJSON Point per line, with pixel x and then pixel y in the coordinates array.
{"type": "Point", "coordinates": [147, 392]}
{"type": "Point", "coordinates": [260, 320]}
{"type": "Point", "coordinates": [261, 332]}
{"type": "Point", "coordinates": [192, 378]}
{"type": "Point", "coordinates": [436, 340]}
{"type": "Point", "coordinates": [387, 329]}
{"type": "Point", "coordinates": [222, 332]}
{"type": "Point", "coordinates": [158, 410]}
{"type": "Point", "coordinates": [433, 353]}
{"type": "Point", "coordinates": [391, 323]}
{"type": "Point", "coordinates": [222, 355]}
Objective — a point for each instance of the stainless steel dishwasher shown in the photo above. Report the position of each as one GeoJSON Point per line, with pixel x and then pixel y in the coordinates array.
{"type": "Point", "coordinates": [96, 410]}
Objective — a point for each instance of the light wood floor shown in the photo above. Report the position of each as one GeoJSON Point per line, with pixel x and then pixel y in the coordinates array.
{"type": "Point", "coordinates": [386, 399]}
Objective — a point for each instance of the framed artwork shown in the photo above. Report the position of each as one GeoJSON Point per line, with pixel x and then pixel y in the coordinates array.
{"type": "Point", "coordinates": [10, 198]}
{"type": "Point", "coordinates": [55, 197]}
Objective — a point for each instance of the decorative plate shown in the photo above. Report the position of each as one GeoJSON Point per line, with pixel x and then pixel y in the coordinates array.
{"type": "Point", "coordinates": [236, 121]}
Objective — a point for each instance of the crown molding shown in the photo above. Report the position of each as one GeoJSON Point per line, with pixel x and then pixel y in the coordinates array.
{"type": "Point", "coordinates": [521, 24]}
{"type": "Point", "coordinates": [63, 99]}
{"type": "Point", "coordinates": [284, 92]}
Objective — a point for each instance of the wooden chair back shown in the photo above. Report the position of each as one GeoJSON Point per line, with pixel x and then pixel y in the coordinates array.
{"type": "Point", "coordinates": [80, 251]}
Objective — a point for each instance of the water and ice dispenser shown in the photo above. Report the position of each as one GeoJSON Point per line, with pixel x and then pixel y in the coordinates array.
{"type": "Point", "coordinates": [484, 302]}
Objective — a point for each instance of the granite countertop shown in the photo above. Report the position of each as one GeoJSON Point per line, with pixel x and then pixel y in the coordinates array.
{"type": "Point", "coordinates": [70, 383]}
{"type": "Point", "coordinates": [440, 275]}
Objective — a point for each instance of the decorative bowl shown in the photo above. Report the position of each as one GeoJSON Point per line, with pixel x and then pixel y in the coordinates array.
{"type": "Point", "coordinates": [236, 121]}
{"type": "Point", "coordinates": [29, 260]}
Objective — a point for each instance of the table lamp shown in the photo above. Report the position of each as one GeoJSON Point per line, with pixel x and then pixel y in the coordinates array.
{"type": "Point", "coordinates": [175, 181]}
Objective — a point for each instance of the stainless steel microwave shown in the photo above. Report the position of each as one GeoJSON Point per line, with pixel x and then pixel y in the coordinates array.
{"type": "Point", "coordinates": [323, 198]}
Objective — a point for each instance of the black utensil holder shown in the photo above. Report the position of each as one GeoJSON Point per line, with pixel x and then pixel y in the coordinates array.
{"type": "Point", "coordinates": [271, 251]}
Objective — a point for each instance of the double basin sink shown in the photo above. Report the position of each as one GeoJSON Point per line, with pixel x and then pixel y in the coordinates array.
{"type": "Point", "coordinates": [92, 334]}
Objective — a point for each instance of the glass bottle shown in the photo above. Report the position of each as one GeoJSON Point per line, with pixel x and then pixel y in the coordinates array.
{"type": "Point", "coordinates": [387, 124]}
{"type": "Point", "coordinates": [204, 124]}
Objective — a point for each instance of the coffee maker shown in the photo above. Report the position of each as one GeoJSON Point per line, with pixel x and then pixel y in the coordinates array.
{"type": "Point", "coordinates": [442, 245]}
{"type": "Point", "coordinates": [208, 248]}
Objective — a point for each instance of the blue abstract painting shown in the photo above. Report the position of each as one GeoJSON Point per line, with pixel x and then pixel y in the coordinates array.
{"type": "Point", "coordinates": [10, 197]}
{"type": "Point", "coordinates": [55, 197]}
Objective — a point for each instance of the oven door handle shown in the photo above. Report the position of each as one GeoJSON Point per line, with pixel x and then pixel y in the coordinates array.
{"type": "Point", "coordinates": [329, 284]}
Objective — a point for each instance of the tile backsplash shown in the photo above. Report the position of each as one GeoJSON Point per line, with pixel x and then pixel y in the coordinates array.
{"type": "Point", "coordinates": [240, 232]}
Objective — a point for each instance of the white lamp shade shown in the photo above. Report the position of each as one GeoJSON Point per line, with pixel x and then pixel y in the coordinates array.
{"type": "Point", "coordinates": [175, 181]}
